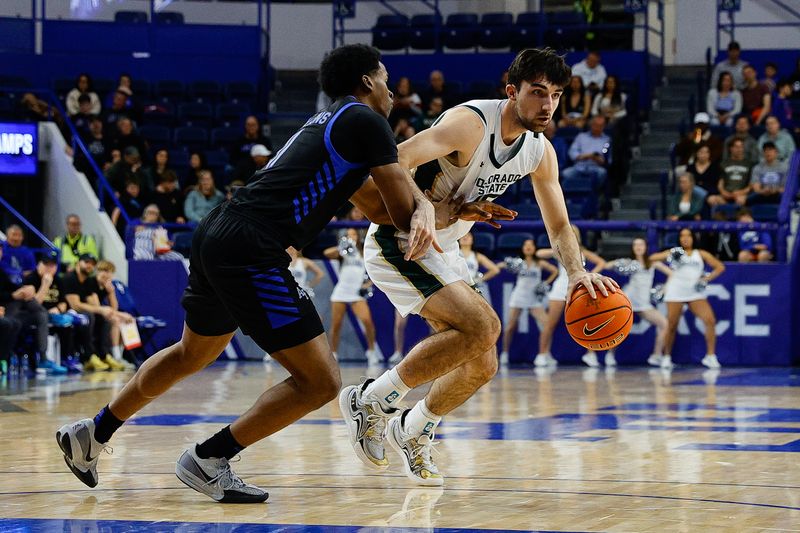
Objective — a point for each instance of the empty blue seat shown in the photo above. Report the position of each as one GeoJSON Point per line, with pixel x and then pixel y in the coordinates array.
{"type": "Point", "coordinates": [765, 212]}
{"type": "Point", "coordinates": [217, 158]}
{"type": "Point", "coordinates": [577, 186]}
{"type": "Point", "coordinates": [205, 91]}
{"type": "Point", "coordinates": [526, 30]}
{"type": "Point", "coordinates": [240, 91]}
{"type": "Point", "coordinates": [575, 210]}
{"type": "Point", "coordinates": [727, 210]}
{"type": "Point", "coordinates": [156, 136]}
{"type": "Point", "coordinates": [195, 114]}
{"type": "Point", "coordinates": [480, 89]}
{"type": "Point", "coordinates": [131, 17]}
{"type": "Point", "coordinates": [191, 137]}
{"type": "Point", "coordinates": [223, 137]}
{"type": "Point", "coordinates": [178, 158]}
{"type": "Point", "coordinates": [564, 30]}
{"type": "Point", "coordinates": [510, 243]}
{"type": "Point", "coordinates": [63, 86]}
{"type": "Point", "coordinates": [141, 88]}
{"type": "Point", "coordinates": [527, 211]}
{"type": "Point", "coordinates": [497, 30]}
{"type": "Point", "coordinates": [390, 32]}
{"type": "Point", "coordinates": [231, 114]}
{"type": "Point", "coordinates": [423, 31]}
{"type": "Point", "coordinates": [461, 31]}
{"type": "Point", "coordinates": [169, 17]}
{"type": "Point", "coordinates": [159, 113]}
{"type": "Point", "coordinates": [568, 133]}
{"type": "Point", "coordinates": [483, 242]}
{"type": "Point", "coordinates": [171, 90]}
{"type": "Point", "coordinates": [543, 241]}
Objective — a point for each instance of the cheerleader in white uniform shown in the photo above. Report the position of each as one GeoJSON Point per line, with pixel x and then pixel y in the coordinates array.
{"type": "Point", "coordinates": [300, 268]}
{"type": "Point", "coordinates": [641, 271]}
{"type": "Point", "coordinates": [348, 291]}
{"type": "Point", "coordinates": [558, 300]}
{"type": "Point", "coordinates": [687, 285]}
{"type": "Point", "coordinates": [527, 293]}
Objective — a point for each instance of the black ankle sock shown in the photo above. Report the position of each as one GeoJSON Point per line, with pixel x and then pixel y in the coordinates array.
{"type": "Point", "coordinates": [105, 424]}
{"type": "Point", "coordinates": [220, 445]}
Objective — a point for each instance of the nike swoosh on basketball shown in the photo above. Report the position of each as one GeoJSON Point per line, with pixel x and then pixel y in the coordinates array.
{"type": "Point", "coordinates": [591, 331]}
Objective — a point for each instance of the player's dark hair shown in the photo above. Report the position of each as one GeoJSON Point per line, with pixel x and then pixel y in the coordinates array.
{"type": "Point", "coordinates": [341, 70]}
{"type": "Point", "coordinates": [646, 255]}
{"type": "Point", "coordinates": [534, 64]}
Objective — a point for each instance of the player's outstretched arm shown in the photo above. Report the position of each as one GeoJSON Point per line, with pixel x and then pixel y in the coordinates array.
{"type": "Point", "coordinates": [556, 220]}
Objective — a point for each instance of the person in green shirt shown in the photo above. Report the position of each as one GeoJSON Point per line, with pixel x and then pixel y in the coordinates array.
{"type": "Point", "coordinates": [74, 243]}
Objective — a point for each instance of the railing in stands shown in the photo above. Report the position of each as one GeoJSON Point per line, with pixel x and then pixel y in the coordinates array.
{"type": "Point", "coordinates": [730, 26]}
{"type": "Point", "coordinates": [103, 187]}
{"type": "Point", "coordinates": [33, 229]}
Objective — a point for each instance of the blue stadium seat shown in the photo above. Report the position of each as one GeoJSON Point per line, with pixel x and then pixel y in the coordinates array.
{"type": "Point", "coordinates": [480, 89]}
{"type": "Point", "coordinates": [195, 114]}
{"type": "Point", "coordinates": [579, 186]}
{"type": "Point", "coordinates": [156, 136]}
{"type": "Point", "coordinates": [141, 88]}
{"type": "Point", "coordinates": [240, 91]}
{"type": "Point", "coordinates": [461, 31]}
{"type": "Point", "coordinates": [722, 131]}
{"type": "Point", "coordinates": [183, 242]}
{"type": "Point", "coordinates": [217, 159]}
{"type": "Point", "coordinates": [568, 133]}
{"type": "Point", "coordinates": [63, 86]}
{"type": "Point", "coordinates": [208, 91]}
{"type": "Point", "coordinates": [231, 114]}
{"type": "Point", "coordinates": [390, 32]}
{"type": "Point", "coordinates": [422, 31]}
{"type": "Point", "coordinates": [765, 212]}
{"type": "Point", "coordinates": [497, 30]}
{"type": "Point", "coordinates": [564, 31]}
{"type": "Point", "coordinates": [169, 17]}
{"type": "Point", "coordinates": [178, 158]}
{"type": "Point", "coordinates": [525, 190]}
{"type": "Point", "coordinates": [527, 211]}
{"type": "Point", "coordinates": [223, 137]}
{"type": "Point", "coordinates": [483, 242]}
{"type": "Point", "coordinates": [575, 210]}
{"type": "Point", "coordinates": [543, 241]}
{"type": "Point", "coordinates": [159, 114]}
{"type": "Point", "coordinates": [192, 137]}
{"type": "Point", "coordinates": [170, 90]}
{"type": "Point", "coordinates": [526, 30]}
{"type": "Point", "coordinates": [728, 210]}
{"type": "Point", "coordinates": [131, 17]}
{"type": "Point", "coordinates": [510, 243]}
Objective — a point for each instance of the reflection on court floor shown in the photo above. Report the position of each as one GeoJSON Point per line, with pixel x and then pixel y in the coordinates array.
{"type": "Point", "coordinates": [571, 450]}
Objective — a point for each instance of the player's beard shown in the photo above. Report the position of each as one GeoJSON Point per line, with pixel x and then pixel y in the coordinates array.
{"type": "Point", "coordinates": [535, 125]}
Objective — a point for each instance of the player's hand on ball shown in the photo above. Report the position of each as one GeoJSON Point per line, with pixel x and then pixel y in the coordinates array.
{"type": "Point", "coordinates": [422, 234]}
{"type": "Point", "coordinates": [591, 281]}
{"type": "Point", "coordinates": [484, 211]}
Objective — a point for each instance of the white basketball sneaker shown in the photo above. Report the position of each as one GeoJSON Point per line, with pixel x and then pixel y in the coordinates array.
{"type": "Point", "coordinates": [590, 359]}
{"type": "Point", "coordinates": [366, 423]}
{"type": "Point", "coordinates": [214, 478]}
{"type": "Point", "coordinates": [666, 362]}
{"type": "Point", "coordinates": [504, 358]}
{"type": "Point", "coordinates": [416, 454]}
{"type": "Point", "coordinates": [373, 359]}
{"type": "Point", "coordinates": [654, 360]}
{"type": "Point", "coordinates": [610, 359]}
{"type": "Point", "coordinates": [541, 359]}
{"type": "Point", "coordinates": [710, 361]}
{"type": "Point", "coordinates": [395, 358]}
{"type": "Point", "coordinates": [81, 449]}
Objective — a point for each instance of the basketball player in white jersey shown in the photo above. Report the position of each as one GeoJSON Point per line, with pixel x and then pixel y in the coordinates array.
{"type": "Point", "coordinates": [478, 149]}
{"type": "Point", "coordinates": [686, 286]}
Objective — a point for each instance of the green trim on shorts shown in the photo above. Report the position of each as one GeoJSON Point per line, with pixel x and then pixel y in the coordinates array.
{"type": "Point", "coordinates": [422, 280]}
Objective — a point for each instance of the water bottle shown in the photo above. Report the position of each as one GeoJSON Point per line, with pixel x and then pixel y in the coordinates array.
{"type": "Point", "coordinates": [24, 365]}
{"type": "Point", "coordinates": [13, 365]}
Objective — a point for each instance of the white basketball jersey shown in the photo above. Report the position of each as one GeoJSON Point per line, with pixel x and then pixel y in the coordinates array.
{"type": "Point", "coordinates": [492, 169]}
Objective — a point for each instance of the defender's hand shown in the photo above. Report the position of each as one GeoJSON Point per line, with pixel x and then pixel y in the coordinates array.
{"type": "Point", "coordinates": [422, 234]}
{"type": "Point", "coordinates": [447, 208]}
{"type": "Point", "coordinates": [484, 211]}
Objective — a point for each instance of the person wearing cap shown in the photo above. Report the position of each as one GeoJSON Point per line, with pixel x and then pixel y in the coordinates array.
{"type": "Point", "coordinates": [74, 242]}
{"type": "Point", "coordinates": [756, 98]}
{"type": "Point", "coordinates": [240, 150]}
{"type": "Point", "coordinates": [82, 293]}
{"type": "Point", "coordinates": [782, 139]}
{"type": "Point", "coordinates": [768, 178]}
{"type": "Point", "coordinates": [18, 260]}
{"type": "Point", "coordinates": [259, 157]}
{"type": "Point", "coordinates": [732, 64]}
{"type": "Point", "coordinates": [699, 134]}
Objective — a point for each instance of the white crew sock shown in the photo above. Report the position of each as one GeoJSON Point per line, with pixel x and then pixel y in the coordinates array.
{"type": "Point", "coordinates": [420, 420]}
{"type": "Point", "coordinates": [116, 351]}
{"type": "Point", "coordinates": [388, 389]}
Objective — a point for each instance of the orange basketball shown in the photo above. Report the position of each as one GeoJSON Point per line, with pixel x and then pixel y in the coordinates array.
{"type": "Point", "coordinates": [598, 324]}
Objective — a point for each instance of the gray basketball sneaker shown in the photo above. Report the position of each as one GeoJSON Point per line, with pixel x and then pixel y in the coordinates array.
{"type": "Point", "coordinates": [366, 422]}
{"type": "Point", "coordinates": [81, 450]}
{"type": "Point", "coordinates": [416, 454]}
{"type": "Point", "coordinates": [214, 478]}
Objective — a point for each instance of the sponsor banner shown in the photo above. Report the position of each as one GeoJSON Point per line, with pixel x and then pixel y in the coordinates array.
{"type": "Point", "coordinates": [18, 148]}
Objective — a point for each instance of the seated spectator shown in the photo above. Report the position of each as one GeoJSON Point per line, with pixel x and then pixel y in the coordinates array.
{"type": "Point", "coordinates": [151, 240]}
{"type": "Point", "coordinates": [724, 102]}
{"type": "Point", "coordinates": [202, 200]}
{"type": "Point", "coordinates": [782, 107]}
{"type": "Point", "coordinates": [50, 295]}
{"type": "Point", "coordinates": [35, 109]}
{"type": "Point", "coordinates": [99, 150]}
{"type": "Point", "coordinates": [252, 136]}
{"type": "Point", "coordinates": [705, 171]}
{"type": "Point", "coordinates": [18, 260]}
{"type": "Point", "coordinates": [770, 76]}
{"type": "Point", "coordinates": [778, 136]}
{"type": "Point", "coordinates": [753, 245]}
{"type": "Point", "coordinates": [734, 185]}
{"type": "Point", "coordinates": [83, 86]}
{"type": "Point", "coordinates": [22, 311]}
{"type": "Point", "coordinates": [575, 104]}
{"type": "Point", "coordinates": [133, 200]}
{"type": "Point", "coordinates": [81, 119]}
{"type": "Point", "coordinates": [117, 109]}
{"type": "Point", "coordinates": [438, 87]}
{"type": "Point", "coordinates": [756, 98]}
{"type": "Point", "coordinates": [124, 85]}
{"type": "Point", "coordinates": [591, 71]}
{"type": "Point", "coordinates": [160, 166]}
{"type": "Point", "coordinates": [82, 294]}
{"type": "Point", "coordinates": [559, 144]}
{"type": "Point", "coordinates": [197, 163]}
{"type": "Point", "coordinates": [74, 243]}
{"type": "Point", "coordinates": [259, 157]}
{"type": "Point", "coordinates": [700, 134]}
{"type": "Point", "coordinates": [126, 136]}
{"type": "Point", "coordinates": [108, 295]}
{"type": "Point", "coordinates": [407, 103]}
{"type": "Point", "coordinates": [403, 130]}
{"type": "Point", "coordinates": [741, 131]}
{"type": "Point", "coordinates": [129, 168]}
{"type": "Point", "coordinates": [591, 152]}
{"type": "Point", "coordinates": [610, 102]}
{"type": "Point", "coordinates": [169, 199]}
{"type": "Point", "coordinates": [687, 202]}
{"type": "Point", "coordinates": [732, 64]}
{"type": "Point", "coordinates": [768, 178]}
{"type": "Point", "coordinates": [426, 120]}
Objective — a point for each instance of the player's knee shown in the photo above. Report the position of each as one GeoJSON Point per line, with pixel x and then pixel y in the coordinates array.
{"type": "Point", "coordinates": [488, 366]}
{"type": "Point", "coordinates": [326, 387]}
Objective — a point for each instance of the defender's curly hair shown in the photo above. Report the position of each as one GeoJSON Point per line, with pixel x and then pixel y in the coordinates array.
{"type": "Point", "coordinates": [341, 70]}
{"type": "Point", "coordinates": [537, 63]}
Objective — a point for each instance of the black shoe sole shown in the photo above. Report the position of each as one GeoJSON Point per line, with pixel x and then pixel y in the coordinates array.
{"type": "Point", "coordinates": [85, 477]}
